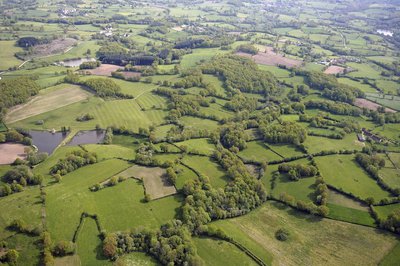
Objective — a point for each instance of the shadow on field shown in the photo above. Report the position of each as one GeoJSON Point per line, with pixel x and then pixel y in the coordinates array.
{"type": "Point", "coordinates": [99, 252]}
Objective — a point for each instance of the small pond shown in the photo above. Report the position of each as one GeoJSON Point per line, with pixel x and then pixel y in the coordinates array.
{"type": "Point", "coordinates": [87, 137]}
{"type": "Point", "coordinates": [47, 141]}
{"type": "Point", "coordinates": [75, 62]}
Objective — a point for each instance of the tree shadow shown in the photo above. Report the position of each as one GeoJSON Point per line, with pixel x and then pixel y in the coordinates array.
{"type": "Point", "coordinates": [99, 252]}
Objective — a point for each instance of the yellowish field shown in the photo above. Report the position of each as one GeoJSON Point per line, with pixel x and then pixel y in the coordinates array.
{"type": "Point", "coordinates": [153, 178]}
{"type": "Point", "coordinates": [48, 100]}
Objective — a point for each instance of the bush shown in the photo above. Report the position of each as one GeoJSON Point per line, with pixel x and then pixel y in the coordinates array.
{"type": "Point", "coordinates": [90, 65]}
{"type": "Point", "coordinates": [282, 234]}
{"type": "Point", "coordinates": [73, 161]}
{"type": "Point", "coordinates": [85, 117]}
{"type": "Point", "coordinates": [63, 248]}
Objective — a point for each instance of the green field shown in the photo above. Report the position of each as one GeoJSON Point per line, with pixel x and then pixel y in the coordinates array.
{"type": "Point", "coordinates": [342, 172]}
{"type": "Point", "coordinates": [386, 210]}
{"type": "Point", "coordinates": [199, 79]}
{"type": "Point", "coordinates": [317, 144]}
{"type": "Point", "coordinates": [336, 242]}
{"type": "Point", "coordinates": [218, 252]}
{"type": "Point", "coordinates": [118, 112]}
{"type": "Point", "coordinates": [7, 51]}
{"type": "Point", "coordinates": [207, 167]}
{"type": "Point", "coordinates": [109, 204]}
{"type": "Point", "coordinates": [204, 146]}
{"type": "Point", "coordinates": [301, 190]}
{"type": "Point", "coordinates": [341, 213]}
{"type": "Point", "coordinates": [257, 151]}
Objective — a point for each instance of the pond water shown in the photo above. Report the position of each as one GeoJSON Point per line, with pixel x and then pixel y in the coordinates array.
{"type": "Point", "coordinates": [47, 141]}
{"type": "Point", "coordinates": [75, 62]}
{"type": "Point", "coordinates": [87, 137]}
{"type": "Point", "coordinates": [385, 32]}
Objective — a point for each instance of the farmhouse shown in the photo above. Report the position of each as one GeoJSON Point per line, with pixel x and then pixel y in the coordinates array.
{"type": "Point", "coordinates": [361, 137]}
{"type": "Point", "coordinates": [372, 136]}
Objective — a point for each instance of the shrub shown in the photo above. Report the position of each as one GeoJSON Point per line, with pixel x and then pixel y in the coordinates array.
{"type": "Point", "coordinates": [282, 234]}
{"type": "Point", "coordinates": [63, 248]}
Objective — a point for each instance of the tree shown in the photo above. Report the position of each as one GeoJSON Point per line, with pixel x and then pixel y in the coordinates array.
{"type": "Point", "coordinates": [282, 234]}
{"type": "Point", "coordinates": [110, 246]}
{"type": "Point", "coordinates": [147, 197]}
{"type": "Point", "coordinates": [172, 177]}
{"type": "Point", "coordinates": [12, 257]}
{"type": "Point", "coordinates": [57, 178]}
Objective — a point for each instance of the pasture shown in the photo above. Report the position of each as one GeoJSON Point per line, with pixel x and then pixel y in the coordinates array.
{"type": "Point", "coordinates": [7, 51]}
{"type": "Point", "coordinates": [207, 167]}
{"type": "Point", "coordinates": [181, 39]}
{"type": "Point", "coordinates": [118, 208]}
{"type": "Point", "coordinates": [386, 210]}
{"type": "Point", "coordinates": [317, 144]}
{"type": "Point", "coordinates": [300, 190]}
{"type": "Point", "coordinates": [258, 152]}
{"type": "Point", "coordinates": [346, 214]}
{"type": "Point", "coordinates": [312, 241]}
{"type": "Point", "coordinates": [203, 146]}
{"type": "Point", "coordinates": [219, 252]}
{"type": "Point", "coordinates": [342, 172]}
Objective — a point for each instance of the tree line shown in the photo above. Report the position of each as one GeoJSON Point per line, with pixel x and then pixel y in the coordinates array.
{"type": "Point", "coordinates": [15, 91]}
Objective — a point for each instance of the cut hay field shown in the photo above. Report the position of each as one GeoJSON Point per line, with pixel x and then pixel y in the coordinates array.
{"type": "Point", "coordinates": [312, 241]}
{"type": "Point", "coordinates": [342, 172]}
{"type": "Point", "coordinates": [114, 112]}
{"type": "Point", "coordinates": [48, 99]}
{"type": "Point", "coordinates": [154, 180]}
